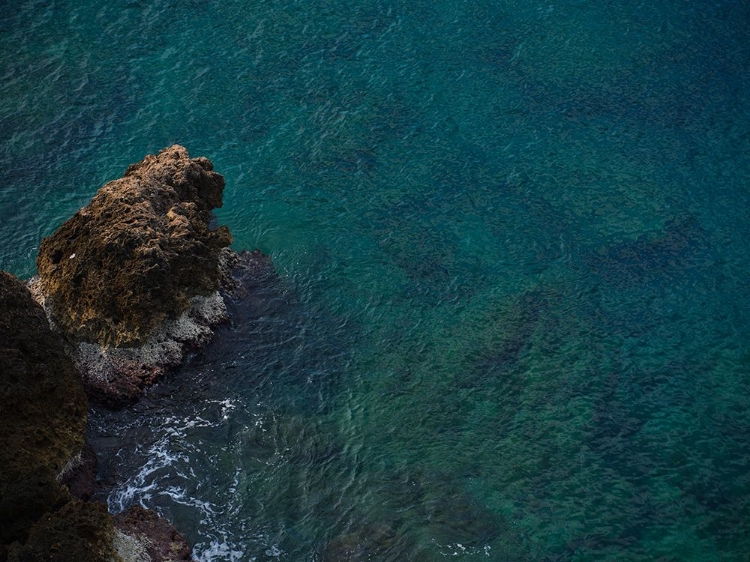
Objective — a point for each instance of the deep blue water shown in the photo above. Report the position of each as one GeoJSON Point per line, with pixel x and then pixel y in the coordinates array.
{"type": "Point", "coordinates": [513, 243]}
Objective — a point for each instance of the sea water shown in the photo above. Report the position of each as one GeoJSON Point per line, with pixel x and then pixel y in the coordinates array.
{"type": "Point", "coordinates": [512, 239]}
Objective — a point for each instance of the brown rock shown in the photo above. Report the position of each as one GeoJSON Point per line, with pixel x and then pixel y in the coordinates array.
{"type": "Point", "coordinates": [42, 412]}
{"type": "Point", "coordinates": [137, 254]}
{"type": "Point", "coordinates": [79, 532]}
{"type": "Point", "coordinates": [42, 420]}
{"type": "Point", "coordinates": [153, 535]}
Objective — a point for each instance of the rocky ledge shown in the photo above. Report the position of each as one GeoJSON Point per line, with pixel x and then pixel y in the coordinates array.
{"type": "Point", "coordinates": [132, 280]}
{"type": "Point", "coordinates": [43, 410]}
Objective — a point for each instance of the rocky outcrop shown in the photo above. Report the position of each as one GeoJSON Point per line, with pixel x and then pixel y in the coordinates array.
{"type": "Point", "coordinates": [132, 279]}
{"type": "Point", "coordinates": [141, 535]}
{"type": "Point", "coordinates": [128, 286]}
{"type": "Point", "coordinates": [138, 253]}
{"type": "Point", "coordinates": [42, 420]}
{"type": "Point", "coordinates": [42, 414]}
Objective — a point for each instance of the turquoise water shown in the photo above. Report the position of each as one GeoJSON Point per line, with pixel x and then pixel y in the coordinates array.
{"type": "Point", "coordinates": [513, 245]}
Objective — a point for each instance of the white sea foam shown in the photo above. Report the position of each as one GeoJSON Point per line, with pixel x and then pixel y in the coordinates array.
{"type": "Point", "coordinates": [168, 475]}
{"type": "Point", "coordinates": [219, 550]}
{"type": "Point", "coordinates": [163, 457]}
{"type": "Point", "coordinates": [458, 549]}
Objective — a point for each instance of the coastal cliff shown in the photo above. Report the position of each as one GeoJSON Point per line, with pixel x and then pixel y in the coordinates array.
{"type": "Point", "coordinates": [42, 418]}
{"type": "Point", "coordinates": [43, 411]}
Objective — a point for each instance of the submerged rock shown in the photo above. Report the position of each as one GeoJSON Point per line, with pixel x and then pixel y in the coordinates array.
{"type": "Point", "coordinates": [133, 278]}
{"type": "Point", "coordinates": [650, 257]}
{"type": "Point", "coordinates": [368, 541]}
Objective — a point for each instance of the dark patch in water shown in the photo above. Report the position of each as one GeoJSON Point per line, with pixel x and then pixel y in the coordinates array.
{"type": "Point", "coordinates": [614, 423]}
{"type": "Point", "coordinates": [368, 541]}
{"type": "Point", "coordinates": [438, 501]}
{"type": "Point", "coordinates": [453, 517]}
{"type": "Point", "coordinates": [630, 399]}
{"type": "Point", "coordinates": [274, 339]}
{"type": "Point", "coordinates": [500, 363]}
{"type": "Point", "coordinates": [649, 257]}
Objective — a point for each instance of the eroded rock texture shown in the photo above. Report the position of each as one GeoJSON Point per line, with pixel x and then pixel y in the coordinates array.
{"type": "Point", "coordinates": [42, 411]}
{"type": "Point", "coordinates": [42, 419]}
{"type": "Point", "coordinates": [79, 531]}
{"type": "Point", "coordinates": [144, 536]}
{"type": "Point", "coordinates": [138, 253]}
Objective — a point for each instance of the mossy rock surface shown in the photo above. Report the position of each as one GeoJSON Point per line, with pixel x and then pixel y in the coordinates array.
{"type": "Point", "coordinates": [42, 412]}
{"type": "Point", "coordinates": [79, 532]}
{"type": "Point", "coordinates": [138, 253]}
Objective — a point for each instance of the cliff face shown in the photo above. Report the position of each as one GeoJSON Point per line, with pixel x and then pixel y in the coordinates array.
{"type": "Point", "coordinates": [42, 419]}
{"type": "Point", "coordinates": [43, 412]}
{"type": "Point", "coordinates": [137, 254]}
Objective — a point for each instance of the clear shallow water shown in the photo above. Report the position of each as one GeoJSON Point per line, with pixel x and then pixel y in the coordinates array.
{"type": "Point", "coordinates": [513, 247]}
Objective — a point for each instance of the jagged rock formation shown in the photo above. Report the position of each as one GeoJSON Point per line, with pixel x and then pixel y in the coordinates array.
{"type": "Point", "coordinates": [138, 253]}
{"type": "Point", "coordinates": [132, 279]}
